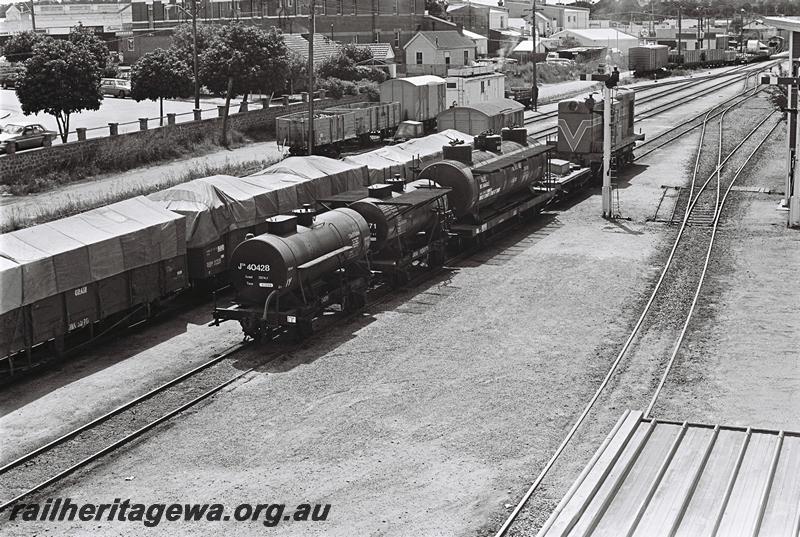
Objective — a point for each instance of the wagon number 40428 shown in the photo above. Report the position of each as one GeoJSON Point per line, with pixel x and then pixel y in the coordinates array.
{"type": "Point", "coordinates": [253, 267]}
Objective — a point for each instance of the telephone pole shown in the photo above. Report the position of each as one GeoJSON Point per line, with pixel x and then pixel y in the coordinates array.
{"type": "Point", "coordinates": [194, 56]}
{"type": "Point", "coordinates": [311, 79]}
{"type": "Point", "coordinates": [534, 86]}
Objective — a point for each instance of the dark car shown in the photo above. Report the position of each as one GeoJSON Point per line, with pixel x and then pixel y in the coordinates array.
{"type": "Point", "coordinates": [25, 136]}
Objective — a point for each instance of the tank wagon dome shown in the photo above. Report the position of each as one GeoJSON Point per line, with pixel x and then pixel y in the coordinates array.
{"type": "Point", "coordinates": [277, 262]}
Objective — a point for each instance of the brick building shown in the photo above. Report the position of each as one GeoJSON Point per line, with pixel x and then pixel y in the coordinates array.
{"type": "Point", "coordinates": [346, 21]}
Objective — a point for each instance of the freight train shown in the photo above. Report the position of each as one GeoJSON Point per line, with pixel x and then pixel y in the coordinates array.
{"type": "Point", "coordinates": [286, 277]}
{"type": "Point", "coordinates": [658, 61]}
{"type": "Point", "coordinates": [408, 109]}
{"type": "Point", "coordinates": [316, 230]}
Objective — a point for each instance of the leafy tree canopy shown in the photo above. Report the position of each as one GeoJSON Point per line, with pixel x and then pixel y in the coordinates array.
{"type": "Point", "coordinates": [61, 77]}
{"type": "Point", "coordinates": [437, 8]}
{"type": "Point", "coordinates": [182, 40]}
{"type": "Point", "coordinates": [87, 39]}
{"type": "Point", "coordinates": [252, 58]}
{"type": "Point", "coordinates": [161, 74]}
{"type": "Point", "coordinates": [20, 47]}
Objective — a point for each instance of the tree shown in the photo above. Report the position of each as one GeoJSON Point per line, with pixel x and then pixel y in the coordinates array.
{"type": "Point", "coordinates": [242, 59]}
{"type": "Point", "coordinates": [297, 78]}
{"type": "Point", "coordinates": [182, 40]}
{"type": "Point", "coordinates": [161, 74]}
{"type": "Point", "coordinates": [20, 47]}
{"type": "Point", "coordinates": [80, 35]}
{"type": "Point", "coordinates": [437, 8]}
{"type": "Point", "coordinates": [60, 78]}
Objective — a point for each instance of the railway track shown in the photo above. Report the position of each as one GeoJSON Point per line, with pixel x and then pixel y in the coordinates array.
{"type": "Point", "coordinates": [552, 130]}
{"type": "Point", "coordinates": [683, 85]}
{"type": "Point", "coordinates": [59, 458]}
{"type": "Point", "coordinates": [699, 225]}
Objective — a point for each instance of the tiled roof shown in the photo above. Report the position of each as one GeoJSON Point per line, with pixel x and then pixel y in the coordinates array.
{"type": "Point", "coordinates": [380, 51]}
{"type": "Point", "coordinates": [448, 39]}
{"type": "Point", "coordinates": [324, 48]}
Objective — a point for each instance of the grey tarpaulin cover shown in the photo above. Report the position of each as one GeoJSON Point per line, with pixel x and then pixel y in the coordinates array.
{"type": "Point", "coordinates": [330, 176]}
{"type": "Point", "coordinates": [305, 190]}
{"type": "Point", "coordinates": [208, 210]}
{"type": "Point", "coordinates": [71, 252]}
{"type": "Point", "coordinates": [10, 285]}
{"type": "Point", "coordinates": [386, 161]}
{"type": "Point", "coordinates": [254, 202]}
{"type": "Point", "coordinates": [282, 186]}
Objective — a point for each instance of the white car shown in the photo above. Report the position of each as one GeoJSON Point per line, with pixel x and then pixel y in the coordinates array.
{"type": "Point", "coordinates": [554, 58]}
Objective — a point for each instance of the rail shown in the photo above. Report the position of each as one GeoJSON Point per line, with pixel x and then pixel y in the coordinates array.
{"type": "Point", "coordinates": [622, 353]}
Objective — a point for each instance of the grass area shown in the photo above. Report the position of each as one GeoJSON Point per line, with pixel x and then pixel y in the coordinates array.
{"type": "Point", "coordinates": [18, 218]}
{"type": "Point", "coordinates": [128, 152]}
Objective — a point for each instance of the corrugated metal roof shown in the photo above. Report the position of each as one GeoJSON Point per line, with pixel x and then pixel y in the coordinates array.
{"type": "Point", "coordinates": [422, 80]}
{"type": "Point", "coordinates": [652, 477]}
{"type": "Point", "coordinates": [497, 106]}
{"type": "Point", "coordinates": [598, 34]}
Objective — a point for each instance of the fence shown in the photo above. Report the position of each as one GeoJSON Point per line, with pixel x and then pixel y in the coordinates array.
{"type": "Point", "coordinates": [38, 162]}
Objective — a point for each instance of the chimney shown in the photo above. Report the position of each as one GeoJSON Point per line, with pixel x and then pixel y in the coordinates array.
{"type": "Point", "coordinates": [460, 28]}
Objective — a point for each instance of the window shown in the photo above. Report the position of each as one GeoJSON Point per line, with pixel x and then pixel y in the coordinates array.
{"type": "Point", "coordinates": [355, 7]}
{"type": "Point", "coordinates": [131, 44]}
{"type": "Point", "coordinates": [447, 59]}
{"type": "Point", "coordinates": [339, 7]}
{"type": "Point", "coordinates": [397, 39]}
{"type": "Point", "coordinates": [413, 6]}
{"type": "Point", "coordinates": [396, 7]}
{"type": "Point", "coordinates": [419, 58]}
{"type": "Point", "coordinates": [466, 57]}
{"type": "Point", "coordinates": [377, 36]}
{"type": "Point", "coordinates": [451, 85]}
{"type": "Point", "coordinates": [483, 87]}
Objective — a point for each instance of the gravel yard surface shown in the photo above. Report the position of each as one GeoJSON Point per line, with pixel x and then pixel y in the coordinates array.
{"type": "Point", "coordinates": [423, 416]}
{"type": "Point", "coordinates": [739, 365]}
{"type": "Point", "coordinates": [432, 414]}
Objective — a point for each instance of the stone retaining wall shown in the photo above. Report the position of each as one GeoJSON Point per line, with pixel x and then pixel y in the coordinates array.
{"type": "Point", "coordinates": [133, 146]}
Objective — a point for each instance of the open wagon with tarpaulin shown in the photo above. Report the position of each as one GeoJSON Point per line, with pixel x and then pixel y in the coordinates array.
{"type": "Point", "coordinates": [64, 280]}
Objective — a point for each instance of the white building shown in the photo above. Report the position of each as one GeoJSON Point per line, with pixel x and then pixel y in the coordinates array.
{"type": "Point", "coordinates": [470, 85]}
{"type": "Point", "coordinates": [600, 37]}
{"type": "Point", "coordinates": [434, 52]}
{"type": "Point", "coordinates": [58, 19]}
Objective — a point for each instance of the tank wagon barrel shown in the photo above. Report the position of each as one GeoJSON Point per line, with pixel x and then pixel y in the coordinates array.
{"type": "Point", "coordinates": [289, 255]}
{"type": "Point", "coordinates": [402, 214]}
{"type": "Point", "coordinates": [494, 169]}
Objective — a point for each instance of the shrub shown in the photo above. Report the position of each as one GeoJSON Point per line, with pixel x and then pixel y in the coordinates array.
{"type": "Point", "coordinates": [371, 89]}
{"type": "Point", "coordinates": [333, 87]}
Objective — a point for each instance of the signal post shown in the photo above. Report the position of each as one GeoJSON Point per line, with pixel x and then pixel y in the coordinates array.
{"type": "Point", "coordinates": [792, 199]}
{"type": "Point", "coordinates": [610, 81]}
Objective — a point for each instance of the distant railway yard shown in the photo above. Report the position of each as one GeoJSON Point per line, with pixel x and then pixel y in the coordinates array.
{"type": "Point", "coordinates": [438, 335]}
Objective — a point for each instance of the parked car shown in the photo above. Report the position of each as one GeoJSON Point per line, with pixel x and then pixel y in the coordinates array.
{"type": "Point", "coordinates": [117, 87]}
{"type": "Point", "coordinates": [10, 73]}
{"type": "Point", "coordinates": [554, 58]}
{"type": "Point", "coordinates": [25, 136]}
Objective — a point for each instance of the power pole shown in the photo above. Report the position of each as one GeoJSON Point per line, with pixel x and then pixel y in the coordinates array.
{"type": "Point", "coordinates": [534, 85]}
{"type": "Point", "coordinates": [680, 40]}
{"type": "Point", "coordinates": [311, 79]}
{"type": "Point", "coordinates": [194, 56]}
{"type": "Point", "coordinates": [33, 18]}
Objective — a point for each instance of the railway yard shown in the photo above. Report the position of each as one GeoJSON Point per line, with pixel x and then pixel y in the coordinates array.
{"type": "Point", "coordinates": [472, 383]}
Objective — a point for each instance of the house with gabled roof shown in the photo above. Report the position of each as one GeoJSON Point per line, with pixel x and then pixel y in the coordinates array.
{"type": "Point", "coordinates": [434, 52]}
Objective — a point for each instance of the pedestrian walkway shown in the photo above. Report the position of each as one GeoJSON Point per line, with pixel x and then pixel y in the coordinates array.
{"type": "Point", "coordinates": [91, 192]}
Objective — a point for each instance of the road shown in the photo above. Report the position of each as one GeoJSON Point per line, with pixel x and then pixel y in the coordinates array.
{"type": "Point", "coordinates": [126, 112]}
